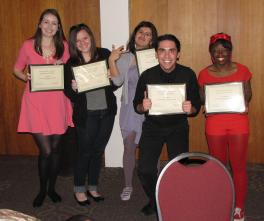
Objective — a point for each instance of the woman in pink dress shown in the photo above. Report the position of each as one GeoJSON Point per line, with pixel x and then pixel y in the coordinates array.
{"type": "Point", "coordinates": [45, 115]}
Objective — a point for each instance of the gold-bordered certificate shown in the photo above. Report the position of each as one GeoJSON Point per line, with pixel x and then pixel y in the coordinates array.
{"type": "Point", "coordinates": [166, 98]}
{"type": "Point", "coordinates": [146, 59]}
{"type": "Point", "coordinates": [91, 76]}
{"type": "Point", "coordinates": [46, 77]}
{"type": "Point", "coordinates": [224, 98]}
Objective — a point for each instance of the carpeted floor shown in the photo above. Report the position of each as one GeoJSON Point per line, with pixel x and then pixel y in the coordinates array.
{"type": "Point", "coordinates": [19, 185]}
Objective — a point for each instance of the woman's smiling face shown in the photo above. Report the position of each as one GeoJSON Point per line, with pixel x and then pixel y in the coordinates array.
{"type": "Point", "coordinates": [143, 38]}
{"type": "Point", "coordinates": [83, 41]}
{"type": "Point", "coordinates": [221, 55]}
{"type": "Point", "coordinates": [49, 25]}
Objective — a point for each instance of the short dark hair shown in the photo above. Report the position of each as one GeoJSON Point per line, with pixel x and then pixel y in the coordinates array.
{"type": "Point", "coordinates": [169, 37]}
{"type": "Point", "coordinates": [146, 24]}
{"type": "Point", "coordinates": [226, 44]}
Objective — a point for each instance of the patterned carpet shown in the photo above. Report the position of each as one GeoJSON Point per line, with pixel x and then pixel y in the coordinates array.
{"type": "Point", "coordinates": [19, 184]}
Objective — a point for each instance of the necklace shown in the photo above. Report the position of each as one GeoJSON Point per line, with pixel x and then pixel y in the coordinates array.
{"type": "Point", "coordinates": [48, 53]}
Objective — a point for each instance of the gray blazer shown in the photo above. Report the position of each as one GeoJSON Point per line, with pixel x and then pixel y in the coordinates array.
{"type": "Point", "coordinates": [123, 65]}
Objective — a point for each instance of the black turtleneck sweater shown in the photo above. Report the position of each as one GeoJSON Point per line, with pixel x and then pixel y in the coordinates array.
{"type": "Point", "coordinates": [179, 75]}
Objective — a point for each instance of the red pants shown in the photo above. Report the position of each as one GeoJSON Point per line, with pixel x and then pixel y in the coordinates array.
{"type": "Point", "coordinates": [235, 147]}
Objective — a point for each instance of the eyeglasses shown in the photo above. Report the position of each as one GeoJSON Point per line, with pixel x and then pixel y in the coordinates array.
{"type": "Point", "coordinates": [146, 34]}
{"type": "Point", "coordinates": [169, 50]}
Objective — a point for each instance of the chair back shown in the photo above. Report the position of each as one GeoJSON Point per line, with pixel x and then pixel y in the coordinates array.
{"type": "Point", "coordinates": [195, 191]}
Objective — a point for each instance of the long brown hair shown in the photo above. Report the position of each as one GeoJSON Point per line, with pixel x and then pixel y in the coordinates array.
{"type": "Point", "coordinates": [58, 38]}
{"type": "Point", "coordinates": [75, 54]}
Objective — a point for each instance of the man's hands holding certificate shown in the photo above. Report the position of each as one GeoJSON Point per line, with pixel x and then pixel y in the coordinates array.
{"type": "Point", "coordinates": [147, 104]}
{"type": "Point", "coordinates": [187, 107]}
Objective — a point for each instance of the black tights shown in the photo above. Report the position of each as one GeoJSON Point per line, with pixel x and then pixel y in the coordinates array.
{"type": "Point", "coordinates": [48, 162]}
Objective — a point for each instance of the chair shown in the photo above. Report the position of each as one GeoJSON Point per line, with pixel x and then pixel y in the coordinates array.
{"type": "Point", "coordinates": [199, 189]}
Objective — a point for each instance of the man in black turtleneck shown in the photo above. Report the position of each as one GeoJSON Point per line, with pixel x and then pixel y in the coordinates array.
{"type": "Point", "coordinates": [159, 129]}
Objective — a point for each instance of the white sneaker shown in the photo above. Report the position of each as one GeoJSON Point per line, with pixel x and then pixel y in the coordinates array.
{"type": "Point", "coordinates": [126, 193]}
{"type": "Point", "coordinates": [239, 214]}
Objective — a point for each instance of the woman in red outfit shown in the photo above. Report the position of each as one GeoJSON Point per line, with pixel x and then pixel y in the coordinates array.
{"type": "Point", "coordinates": [227, 133]}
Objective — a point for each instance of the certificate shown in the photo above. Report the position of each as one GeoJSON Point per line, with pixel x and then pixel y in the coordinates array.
{"type": "Point", "coordinates": [146, 59]}
{"type": "Point", "coordinates": [91, 76]}
{"type": "Point", "coordinates": [46, 77]}
{"type": "Point", "coordinates": [166, 98]}
{"type": "Point", "coordinates": [224, 98]}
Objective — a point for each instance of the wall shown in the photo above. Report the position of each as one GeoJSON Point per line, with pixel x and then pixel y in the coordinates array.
{"type": "Point", "coordinates": [18, 21]}
{"type": "Point", "coordinates": [193, 22]}
{"type": "Point", "coordinates": [114, 31]}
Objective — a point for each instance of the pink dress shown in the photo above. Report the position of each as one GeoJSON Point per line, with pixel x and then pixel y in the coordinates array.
{"type": "Point", "coordinates": [42, 112]}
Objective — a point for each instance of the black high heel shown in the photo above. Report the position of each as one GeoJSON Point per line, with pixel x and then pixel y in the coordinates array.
{"type": "Point", "coordinates": [95, 198]}
{"type": "Point", "coordinates": [38, 201]}
{"type": "Point", "coordinates": [55, 197]}
{"type": "Point", "coordinates": [81, 203]}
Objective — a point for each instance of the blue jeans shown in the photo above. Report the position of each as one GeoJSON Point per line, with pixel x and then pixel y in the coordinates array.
{"type": "Point", "coordinates": [92, 140]}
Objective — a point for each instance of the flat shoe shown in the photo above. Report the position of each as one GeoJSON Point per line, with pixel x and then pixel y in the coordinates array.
{"type": "Point", "coordinates": [95, 198]}
{"type": "Point", "coordinates": [81, 203]}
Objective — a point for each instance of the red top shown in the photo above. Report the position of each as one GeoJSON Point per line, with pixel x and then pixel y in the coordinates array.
{"type": "Point", "coordinates": [242, 74]}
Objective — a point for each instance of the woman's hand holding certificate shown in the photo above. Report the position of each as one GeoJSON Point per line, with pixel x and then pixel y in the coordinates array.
{"type": "Point", "coordinates": [46, 77]}
{"type": "Point", "coordinates": [91, 76]}
{"type": "Point", "coordinates": [224, 98]}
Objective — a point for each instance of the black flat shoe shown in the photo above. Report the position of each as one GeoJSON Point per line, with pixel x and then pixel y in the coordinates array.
{"type": "Point", "coordinates": [55, 197]}
{"type": "Point", "coordinates": [38, 201]}
{"type": "Point", "coordinates": [81, 203]}
{"type": "Point", "coordinates": [95, 198]}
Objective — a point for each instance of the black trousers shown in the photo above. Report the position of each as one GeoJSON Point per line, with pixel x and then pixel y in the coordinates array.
{"type": "Point", "coordinates": [92, 140]}
{"type": "Point", "coordinates": [151, 143]}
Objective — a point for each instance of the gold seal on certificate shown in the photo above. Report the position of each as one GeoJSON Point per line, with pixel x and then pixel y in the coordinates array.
{"type": "Point", "coordinates": [91, 76]}
{"type": "Point", "coordinates": [46, 77]}
{"type": "Point", "coordinates": [146, 59]}
{"type": "Point", "coordinates": [224, 98]}
{"type": "Point", "coordinates": [166, 98]}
